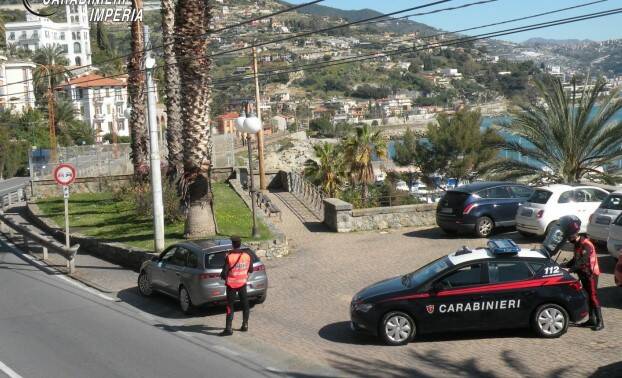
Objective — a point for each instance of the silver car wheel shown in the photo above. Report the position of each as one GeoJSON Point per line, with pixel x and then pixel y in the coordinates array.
{"type": "Point", "coordinates": [184, 299]}
{"type": "Point", "coordinates": [398, 328]}
{"type": "Point", "coordinates": [551, 321]}
{"type": "Point", "coordinates": [144, 284]}
{"type": "Point", "coordinates": [485, 227]}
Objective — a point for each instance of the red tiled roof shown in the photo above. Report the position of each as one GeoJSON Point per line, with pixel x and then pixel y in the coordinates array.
{"type": "Point", "coordinates": [93, 80]}
{"type": "Point", "coordinates": [232, 115]}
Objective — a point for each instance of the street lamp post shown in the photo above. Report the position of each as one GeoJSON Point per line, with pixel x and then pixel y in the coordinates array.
{"type": "Point", "coordinates": [250, 125]}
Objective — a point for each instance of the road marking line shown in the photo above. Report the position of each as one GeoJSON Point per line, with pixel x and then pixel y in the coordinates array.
{"type": "Point", "coordinates": [8, 371]}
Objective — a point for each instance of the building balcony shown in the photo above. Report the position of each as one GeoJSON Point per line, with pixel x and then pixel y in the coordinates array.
{"type": "Point", "coordinates": [119, 99]}
{"type": "Point", "coordinates": [99, 117]}
{"type": "Point", "coordinates": [98, 99]}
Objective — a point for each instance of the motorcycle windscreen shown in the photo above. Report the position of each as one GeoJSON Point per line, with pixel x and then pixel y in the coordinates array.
{"type": "Point", "coordinates": [554, 240]}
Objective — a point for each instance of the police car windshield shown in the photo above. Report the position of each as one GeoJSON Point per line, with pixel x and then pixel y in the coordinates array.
{"type": "Point", "coordinates": [425, 273]}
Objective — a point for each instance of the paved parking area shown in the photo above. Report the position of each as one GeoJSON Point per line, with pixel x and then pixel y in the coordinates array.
{"type": "Point", "coordinates": [306, 313]}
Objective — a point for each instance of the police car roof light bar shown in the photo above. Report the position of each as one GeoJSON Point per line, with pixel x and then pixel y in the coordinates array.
{"type": "Point", "coordinates": [503, 247]}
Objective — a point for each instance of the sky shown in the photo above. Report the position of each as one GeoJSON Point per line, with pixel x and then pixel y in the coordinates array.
{"type": "Point", "coordinates": [596, 29]}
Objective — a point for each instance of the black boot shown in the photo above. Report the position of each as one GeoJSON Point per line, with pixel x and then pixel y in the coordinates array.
{"type": "Point", "coordinates": [244, 327]}
{"type": "Point", "coordinates": [591, 322]}
{"type": "Point", "coordinates": [227, 331]}
{"type": "Point", "coordinates": [600, 324]}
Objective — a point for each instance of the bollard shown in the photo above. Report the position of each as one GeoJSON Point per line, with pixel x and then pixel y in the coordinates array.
{"type": "Point", "coordinates": [25, 237]}
{"type": "Point", "coordinates": [71, 265]}
{"type": "Point", "coordinates": [45, 253]}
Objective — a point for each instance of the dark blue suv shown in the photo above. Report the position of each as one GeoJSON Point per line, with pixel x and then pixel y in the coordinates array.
{"type": "Point", "coordinates": [480, 207]}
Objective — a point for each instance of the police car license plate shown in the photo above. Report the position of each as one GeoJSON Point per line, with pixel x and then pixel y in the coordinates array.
{"type": "Point", "coordinates": [603, 220]}
{"type": "Point", "coordinates": [447, 210]}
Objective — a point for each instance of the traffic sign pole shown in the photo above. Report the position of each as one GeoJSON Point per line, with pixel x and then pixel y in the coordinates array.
{"type": "Point", "coordinates": [65, 174]}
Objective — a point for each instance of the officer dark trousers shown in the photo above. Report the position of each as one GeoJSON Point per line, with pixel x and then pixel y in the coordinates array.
{"type": "Point", "coordinates": [231, 296]}
{"type": "Point", "coordinates": [590, 285]}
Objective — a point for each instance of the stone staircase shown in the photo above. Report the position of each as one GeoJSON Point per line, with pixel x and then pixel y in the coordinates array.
{"type": "Point", "coordinates": [297, 207]}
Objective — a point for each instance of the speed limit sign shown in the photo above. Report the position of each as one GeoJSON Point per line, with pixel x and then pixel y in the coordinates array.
{"type": "Point", "coordinates": [64, 174]}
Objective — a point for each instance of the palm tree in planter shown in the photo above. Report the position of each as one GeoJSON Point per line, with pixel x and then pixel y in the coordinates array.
{"type": "Point", "coordinates": [328, 171]}
{"type": "Point", "coordinates": [171, 77]}
{"type": "Point", "coordinates": [136, 94]}
{"type": "Point", "coordinates": [569, 137]}
{"type": "Point", "coordinates": [192, 18]}
{"type": "Point", "coordinates": [359, 151]}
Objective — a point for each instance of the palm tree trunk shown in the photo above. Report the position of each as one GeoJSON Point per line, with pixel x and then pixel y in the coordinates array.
{"type": "Point", "coordinates": [136, 89]}
{"type": "Point", "coordinates": [171, 79]}
{"type": "Point", "coordinates": [192, 18]}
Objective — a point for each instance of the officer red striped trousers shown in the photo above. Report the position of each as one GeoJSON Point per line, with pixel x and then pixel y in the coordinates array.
{"type": "Point", "coordinates": [590, 285]}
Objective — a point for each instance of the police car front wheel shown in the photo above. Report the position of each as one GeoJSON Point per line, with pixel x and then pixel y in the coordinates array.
{"type": "Point", "coordinates": [550, 320]}
{"type": "Point", "coordinates": [397, 328]}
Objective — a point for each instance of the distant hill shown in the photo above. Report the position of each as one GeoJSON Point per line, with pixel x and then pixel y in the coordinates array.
{"type": "Point", "coordinates": [398, 26]}
{"type": "Point", "coordinates": [556, 42]}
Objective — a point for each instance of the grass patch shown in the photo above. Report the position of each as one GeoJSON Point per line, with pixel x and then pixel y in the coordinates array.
{"type": "Point", "coordinates": [101, 216]}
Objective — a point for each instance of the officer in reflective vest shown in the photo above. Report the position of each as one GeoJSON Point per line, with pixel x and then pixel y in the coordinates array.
{"type": "Point", "coordinates": [238, 266]}
{"type": "Point", "coordinates": [585, 264]}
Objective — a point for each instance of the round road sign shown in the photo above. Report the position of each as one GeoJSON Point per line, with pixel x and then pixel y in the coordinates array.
{"type": "Point", "coordinates": [64, 174]}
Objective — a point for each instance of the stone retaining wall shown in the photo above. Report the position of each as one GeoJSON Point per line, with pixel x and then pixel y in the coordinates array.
{"type": "Point", "coordinates": [115, 253]}
{"type": "Point", "coordinates": [340, 216]}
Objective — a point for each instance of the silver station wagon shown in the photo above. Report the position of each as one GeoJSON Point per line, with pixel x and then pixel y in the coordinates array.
{"type": "Point", "coordinates": [190, 272]}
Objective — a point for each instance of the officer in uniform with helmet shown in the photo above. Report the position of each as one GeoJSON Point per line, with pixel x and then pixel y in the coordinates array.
{"type": "Point", "coordinates": [238, 266]}
{"type": "Point", "coordinates": [585, 264]}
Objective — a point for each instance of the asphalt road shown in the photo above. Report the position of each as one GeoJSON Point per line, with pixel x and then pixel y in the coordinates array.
{"type": "Point", "coordinates": [52, 327]}
{"type": "Point", "coordinates": [12, 183]}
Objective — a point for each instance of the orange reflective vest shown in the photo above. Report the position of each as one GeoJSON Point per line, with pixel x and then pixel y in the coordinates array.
{"type": "Point", "coordinates": [239, 263]}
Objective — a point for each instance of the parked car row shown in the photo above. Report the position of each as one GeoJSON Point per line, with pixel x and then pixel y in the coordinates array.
{"type": "Point", "coordinates": [482, 207]}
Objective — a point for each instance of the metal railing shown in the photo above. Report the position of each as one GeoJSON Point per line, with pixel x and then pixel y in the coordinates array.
{"type": "Point", "coordinates": [307, 193]}
{"type": "Point", "coordinates": [7, 226]}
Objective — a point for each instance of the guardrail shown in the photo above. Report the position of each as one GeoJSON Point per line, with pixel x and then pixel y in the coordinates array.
{"type": "Point", "coordinates": [10, 196]}
{"type": "Point", "coordinates": [13, 195]}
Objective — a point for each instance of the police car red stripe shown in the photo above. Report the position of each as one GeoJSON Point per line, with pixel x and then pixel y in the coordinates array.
{"type": "Point", "coordinates": [491, 288]}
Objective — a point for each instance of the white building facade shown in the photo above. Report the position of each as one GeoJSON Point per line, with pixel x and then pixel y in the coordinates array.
{"type": "Point", "coordinates": [16, 88]}
{"type": "Point", "coordinates": [100, 102]}
{"type": "Point", "coordinates": [73, 36]}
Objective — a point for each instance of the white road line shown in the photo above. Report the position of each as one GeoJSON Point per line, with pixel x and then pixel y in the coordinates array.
{"type": "Point", "coordinates": [8, 371]}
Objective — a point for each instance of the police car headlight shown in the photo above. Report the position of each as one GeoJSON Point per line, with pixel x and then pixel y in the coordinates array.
{"type": "Point", "coordinates": [363, 307]}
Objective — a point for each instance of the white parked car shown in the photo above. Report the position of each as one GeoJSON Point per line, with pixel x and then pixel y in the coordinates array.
{"type": "Point", "coordinates": [419, 188]}
{"type": "Point", "coordinates": [607, 212]}
{"type": "Point", "coordinates": [401, 186]}
{"type": "Point", "coordinates": [614, 241]}
{"type": "Point", "coordinates": [549, 203]}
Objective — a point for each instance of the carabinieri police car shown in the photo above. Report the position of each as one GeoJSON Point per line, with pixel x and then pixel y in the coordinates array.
{"type": "Point", "coordinates": [502, 286]}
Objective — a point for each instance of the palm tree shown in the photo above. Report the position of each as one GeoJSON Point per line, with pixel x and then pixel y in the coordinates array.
{"type": "Point", "coordinates": [328, 172]}
{"type": "Point", "coordinates": [171, 78]}
{"type": "Point", "coordinates": [570, 137]}
{"type": "Point", "coordinates": [136, 92]}
{"type": "Point", "coordinates": [50, 61]}
{"type": "Point", "coordinates": [192, 19]}
{"type": "Point", "coordinates": [359, 151]}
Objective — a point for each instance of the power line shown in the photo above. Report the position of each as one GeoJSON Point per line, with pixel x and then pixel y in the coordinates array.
{"type": "Point", "coordinates": [242, 23]}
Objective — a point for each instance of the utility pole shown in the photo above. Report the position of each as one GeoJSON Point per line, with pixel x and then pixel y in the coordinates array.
{"type": "Point", "coordinates": [262, 171]}
{"type": "Point", "coordinates": [154, 150]}
{"type": "Point", "coordinates": [51, 116]}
